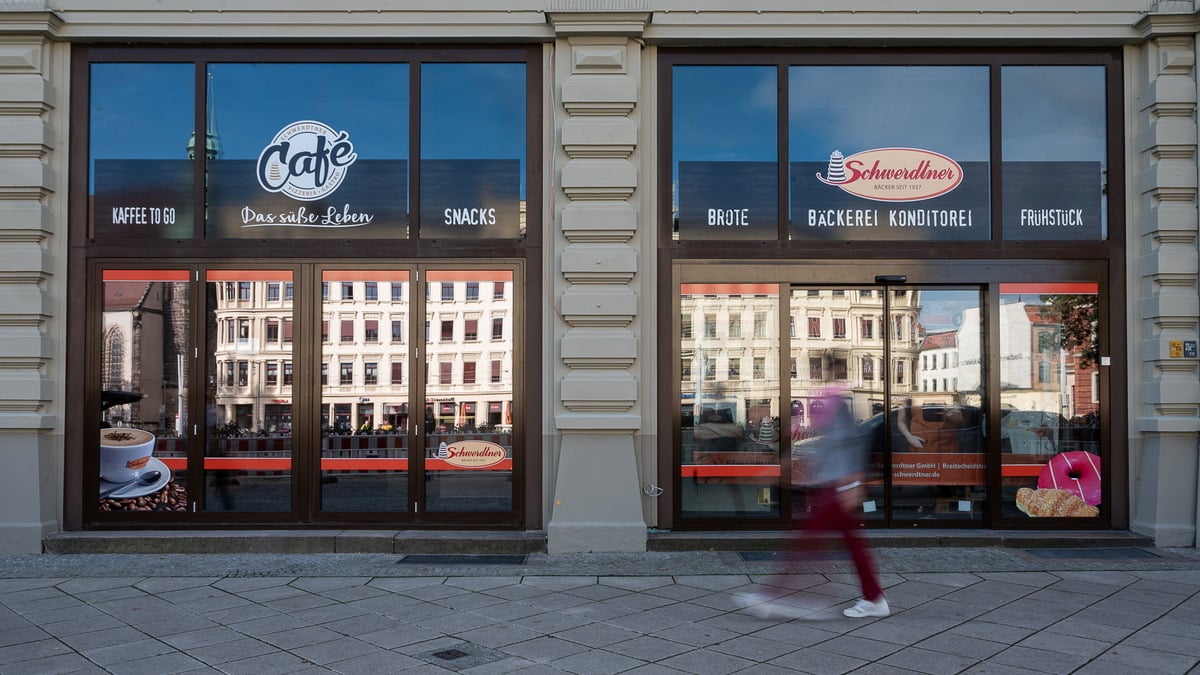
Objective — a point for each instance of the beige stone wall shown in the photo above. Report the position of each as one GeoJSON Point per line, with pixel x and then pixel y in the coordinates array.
{"type": "Point", "coordinates": [1163, 264]}
{"type": "Point", "coordinates": [32, 280]}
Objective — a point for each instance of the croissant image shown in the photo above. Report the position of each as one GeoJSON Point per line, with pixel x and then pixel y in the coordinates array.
{"type": "Point", "coordinates": [1047, 502]}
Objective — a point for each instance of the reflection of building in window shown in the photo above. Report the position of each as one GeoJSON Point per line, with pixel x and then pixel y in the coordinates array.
{"type": "Point", "coordinates": [735, 325]}
{"type": "Point", "coordinates": [114, 359]}
{"type": "Point", "coordinates": [710, 325]}
{"type": "Point", "coordinates": [146, 349]}
{"type": "Point", "coordinates": [760, 367]}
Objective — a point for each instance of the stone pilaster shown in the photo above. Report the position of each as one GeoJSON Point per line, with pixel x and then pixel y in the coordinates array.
{"type": "Point", "coordinates": [596, 494]}
{"type": "Point", "coordinates": [1164, 303]}
{"type": "Point", "coordinates": [32, 276]}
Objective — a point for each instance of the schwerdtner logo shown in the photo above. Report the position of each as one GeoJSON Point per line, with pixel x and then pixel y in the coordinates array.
{"type": "Point", "coordinates": [306, 160]}
{"type": "Point", "coordinates": [893, 174]}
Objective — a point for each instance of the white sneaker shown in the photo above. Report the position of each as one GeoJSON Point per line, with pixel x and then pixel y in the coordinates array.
{"type": "Point", "coordinates": [864, 608]}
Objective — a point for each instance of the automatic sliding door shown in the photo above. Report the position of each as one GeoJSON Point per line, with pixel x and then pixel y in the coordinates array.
{"type": "Point", "coordinates": [935, 357]}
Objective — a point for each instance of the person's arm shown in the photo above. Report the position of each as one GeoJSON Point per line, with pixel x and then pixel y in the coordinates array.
{"type": "Point", "coordinates": [902, 423]}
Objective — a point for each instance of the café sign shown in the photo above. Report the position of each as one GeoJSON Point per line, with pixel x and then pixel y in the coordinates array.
{"type": "Point", "coordinates": [306, 160]}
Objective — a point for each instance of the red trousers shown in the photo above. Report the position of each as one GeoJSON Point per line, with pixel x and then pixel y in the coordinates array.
{"type": "Point", "coordinates": [827, 514]}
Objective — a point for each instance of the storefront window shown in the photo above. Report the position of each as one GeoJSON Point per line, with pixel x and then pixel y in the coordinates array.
{"type": "Point", "coordinates": [141, 137]}
{"type": "Point", "coordinates": [308, 150]}
{"type": "Point", "coordinates": [298, 366]}
{"type": "Point", "coordinates": [895, 153]}
{"type": "Point", "coordinates": [472, 150]}
{"type": "Point", "coordinates": [145, 373]}
{"type": "Point", "coordinates": [1050, 415]}
{"type": "Point", "coordinates": [725, 170]}
{"type": "Point", "coordinates": [1054, 147]}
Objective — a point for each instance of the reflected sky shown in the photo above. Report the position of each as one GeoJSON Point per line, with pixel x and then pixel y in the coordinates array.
{"type": "Point", "coordinates": [253, 101]}
{"type": "Point", "coordinates": [856, 108]}
{"type": "Point", "coordinates": [1053, 113]}
{"type": "Point", "coordinates": [724, 113]}
{"type": "Point", "coordinates": [141, 110]}
{"type": "Point", "coordinates": [469, 111]}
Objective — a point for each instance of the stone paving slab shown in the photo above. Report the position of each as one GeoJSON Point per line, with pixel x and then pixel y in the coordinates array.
{"type": "Point", "coordinates": [968, 610]}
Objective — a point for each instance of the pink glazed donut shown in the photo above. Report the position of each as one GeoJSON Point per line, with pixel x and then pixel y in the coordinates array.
{"type": "Point", "coordinates": [1077, 472]}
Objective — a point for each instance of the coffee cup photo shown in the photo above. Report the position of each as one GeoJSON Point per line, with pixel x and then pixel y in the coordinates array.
{"type": "Point", "coordinates": [124, 453]}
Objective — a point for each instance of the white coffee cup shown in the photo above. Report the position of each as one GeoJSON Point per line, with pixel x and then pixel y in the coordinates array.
{"type": "Point", "coordinates": [124, 453]}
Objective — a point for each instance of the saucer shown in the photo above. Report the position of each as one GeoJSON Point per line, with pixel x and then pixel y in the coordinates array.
{"type": "Point", "coordinates": [137, 489]}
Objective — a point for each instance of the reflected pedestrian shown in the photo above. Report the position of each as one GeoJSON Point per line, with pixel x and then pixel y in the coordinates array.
{"type": "Point", "coordinates": [832, 460]}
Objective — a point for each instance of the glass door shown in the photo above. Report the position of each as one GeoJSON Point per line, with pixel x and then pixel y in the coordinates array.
{"type": "Point", "coordinates": [466, 430]}
{"type": "Point", "coordinates": [248, 325]}
{"type": "Point", "coordinates": [364, 404]}
{"type": "Point", "coordinates": [907, 361]}
{"type": "Point", "coordinates": [934, 359]}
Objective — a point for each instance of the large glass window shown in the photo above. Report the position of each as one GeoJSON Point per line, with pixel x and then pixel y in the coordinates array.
{"type": "Point", "coordinates": [730, 425]}
{"type": "Point", "coordinates": [141, 134]}
{"type": "Point", "coordinates": [888, 152]}
{"type": "Point", "coordinates": [472, 150]}
{"type": "Point", "coordinates": [724, 171]}
{"type": "Point", "coordinates": [1054, 145]}
{"type": "Point", "coordinates": [1050, 412]}
{"type": "Point", "coordinates": [308, 150]}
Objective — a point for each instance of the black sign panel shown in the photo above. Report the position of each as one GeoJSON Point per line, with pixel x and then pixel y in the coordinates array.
{"type": "Point", "coordinates": [823, 212]}
{"type": "Point", "coordinates": [142, 198]}
{"type": "Point", "coordinates": [728, 200]}
{"type": "Point", "coordinates": [1055, 201]}
{"type": "Point", "coordinates": [470, 198]}
{"type": "Point", "coordinates": [370, 203]}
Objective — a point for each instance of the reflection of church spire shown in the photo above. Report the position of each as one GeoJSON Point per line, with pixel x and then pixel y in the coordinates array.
{"type": "Point", "coordinates": [213, 139]}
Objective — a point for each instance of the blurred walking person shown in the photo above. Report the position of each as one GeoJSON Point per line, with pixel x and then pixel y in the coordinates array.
{"type": "Point", "coordinates": [829, 463]}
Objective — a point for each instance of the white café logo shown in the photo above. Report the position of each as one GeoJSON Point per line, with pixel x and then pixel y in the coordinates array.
{"type": "Point", "coordinates": [893, 174]}
{"type": "Point", "coordinates": [306, 160]}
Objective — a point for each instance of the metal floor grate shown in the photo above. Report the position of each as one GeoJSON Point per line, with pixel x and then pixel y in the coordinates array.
{"type": "Point", "coordinates": [463, 559]}
{"type": "Point", "coordinates": [1124, 553]}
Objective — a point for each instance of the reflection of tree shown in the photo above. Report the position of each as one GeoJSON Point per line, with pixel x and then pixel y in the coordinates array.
{"type": "Point", "coordinates": [1079, 315]}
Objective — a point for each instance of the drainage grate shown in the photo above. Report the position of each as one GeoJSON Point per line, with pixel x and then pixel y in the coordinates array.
{"type": "Point", "coordinates": [792, 556]}
{"type": "Point", "coordinates": [1125, 553]}
{"type": "Point", "coordinates": [465, 655]}
{"type": "Point", "coordinates": [471, 559]}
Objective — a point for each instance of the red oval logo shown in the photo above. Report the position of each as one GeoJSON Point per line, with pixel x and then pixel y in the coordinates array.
{"type": "Point", "coordinates": [473, 454]}
{"type": "Point", "coordinates": [893, 174]}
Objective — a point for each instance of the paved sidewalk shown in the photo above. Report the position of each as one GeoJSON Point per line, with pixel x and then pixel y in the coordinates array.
{"type": "Point", "coordinates": [986, 610]}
